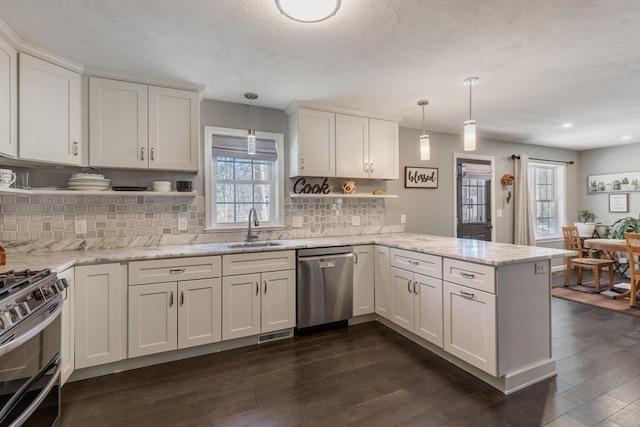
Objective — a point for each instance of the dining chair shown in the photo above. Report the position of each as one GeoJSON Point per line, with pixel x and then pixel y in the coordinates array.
{"type": "Point", "coordinates": [633, 253]}
{"type": "Point", "coordinates": [572, 242]}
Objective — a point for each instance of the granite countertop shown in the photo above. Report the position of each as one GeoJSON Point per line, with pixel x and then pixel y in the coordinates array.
{"type": "Point", "coordinates": [482, 252]}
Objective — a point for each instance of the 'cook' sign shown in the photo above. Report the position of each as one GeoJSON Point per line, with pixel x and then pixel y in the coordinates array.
{"type": "Point", "coordinates": [416, 177]}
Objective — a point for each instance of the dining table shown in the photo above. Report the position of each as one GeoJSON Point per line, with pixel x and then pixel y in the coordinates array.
{"type": "Point", "coordinates": [611, 247]}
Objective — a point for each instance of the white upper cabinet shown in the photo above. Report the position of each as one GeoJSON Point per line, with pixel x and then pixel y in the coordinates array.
{"type": "Point", "coordinates": [142, 127]}
{"type": "Point", "coordinates": [8, 99]}
{"type": "Point", "coordinates": [312, 143]}
{"type": "Point", "coordinates": [50, 112]}
{"type": "Point", "coordinates": [327, 144]}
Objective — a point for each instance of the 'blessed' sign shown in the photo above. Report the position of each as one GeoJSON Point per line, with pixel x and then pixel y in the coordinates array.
{"type": "Point", "coordinates": [416, 177]}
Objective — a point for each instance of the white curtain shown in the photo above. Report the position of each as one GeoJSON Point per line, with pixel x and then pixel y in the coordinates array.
{"type": "Point", "coordinates": [523, 221]}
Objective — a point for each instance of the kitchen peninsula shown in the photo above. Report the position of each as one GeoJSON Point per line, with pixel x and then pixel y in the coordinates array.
{"type": "Point", "coordinates": [483, 306]}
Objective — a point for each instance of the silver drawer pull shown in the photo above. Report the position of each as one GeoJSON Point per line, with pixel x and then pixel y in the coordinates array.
{"type": "Point", "coordinates": [177, 270]}
{"type": "Point", "coordinates": [413, 262]}
{"type": "Point", "coordinates": [467, 294]}
{"type": "Point", "coordinates": [171, 299]}
{"type": "Point", "coordinates": [409, 285]}
{"type": "Point", "coordinates": [257, 288]}
{"type": "Point", "coordinates": [467, 275]}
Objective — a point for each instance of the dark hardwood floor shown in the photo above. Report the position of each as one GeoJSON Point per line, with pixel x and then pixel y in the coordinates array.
{"type": "Point", "coordinates": [367, 375]}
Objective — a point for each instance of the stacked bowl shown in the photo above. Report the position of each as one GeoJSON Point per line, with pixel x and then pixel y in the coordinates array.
{"type": "Point", "coordinates": [88, 182]}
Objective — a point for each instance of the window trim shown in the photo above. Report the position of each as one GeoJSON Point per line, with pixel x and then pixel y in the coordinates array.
{"type": "Point", "coordinates": [279, 178]}
{"type": "Point", "coordinates": [562, 209]}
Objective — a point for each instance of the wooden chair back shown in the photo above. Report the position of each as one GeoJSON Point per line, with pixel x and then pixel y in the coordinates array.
{"type": "Point", "coordinates": [572, 240]}
{"type": "Point", "coordinates": [633, 251]}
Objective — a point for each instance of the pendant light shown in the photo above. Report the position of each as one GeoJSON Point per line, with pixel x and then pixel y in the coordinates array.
{"type": "Point", "coordinates": [425, 149]}
{"type": "Point", "coordinates": [251, 138]}
{"type": "Point", "coordinates": [308, 11]}
{"type": "Point", "coordinates": [470, 125]}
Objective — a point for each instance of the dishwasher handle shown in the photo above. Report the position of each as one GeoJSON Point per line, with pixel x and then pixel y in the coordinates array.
{"type": "Point", "coordinates": [325, 257]}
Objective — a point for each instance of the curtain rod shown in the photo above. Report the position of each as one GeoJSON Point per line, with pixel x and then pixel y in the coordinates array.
{"type": "Point", "coordinates": [513, 157]}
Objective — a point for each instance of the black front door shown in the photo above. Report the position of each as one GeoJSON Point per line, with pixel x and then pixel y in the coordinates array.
{"type": "Point", "coordinates": [473, 204]}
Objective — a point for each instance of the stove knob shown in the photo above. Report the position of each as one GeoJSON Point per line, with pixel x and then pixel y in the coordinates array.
{"type": "Point", "coordinates": [25, 308]}
{"type": "Point", "coordinates": [64, 283]}
{"type": "Point", "coordinates": [38, 295]}
{"type": "Point", "coordinates": [17, 311]}
{"type": "Point", "coordinates": [5, 319]}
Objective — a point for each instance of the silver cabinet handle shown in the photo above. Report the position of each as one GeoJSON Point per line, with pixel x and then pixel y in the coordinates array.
{"type": "Point", "coordinates": [301, 164]}
{"type": "Point", "coordinates": [467, 275]}
{"type": "Point", "coordinates": [257, 288]}
{"type": "Point", "coordinates": [171, 299]}
{"type": "Point", "coordinates": [409, 286]}
{"type": "Point", "coordinates": [467, 294]}
{"type": "Point", "coordinates": [265, 286]}
{"type": "Point", "coordinates": [177, 270]}
{"type": "Point", "coordinates": [366, 167]}
{"type": "Point", "coordinates": [181, 297]}
{"type": "Point", "coordinates": [151, 155]}
{"type": "Point", "coordinates": [142, 153]}
{"type": "Point", "coordinates": [371, 168]}
{"type": "Point", "coordinates": [414, 288]}
{"type": "Point", "coordinates": [75, 148]}
{"type": "Point", "coordinates": [413, 262]}
{"type": "Point", "coordinates": [355, 257]}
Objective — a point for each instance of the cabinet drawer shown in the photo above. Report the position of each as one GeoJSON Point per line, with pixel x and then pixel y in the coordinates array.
{"type": "Point", "coordinates": [173, 270]}
{"type": "Point", "coordinates": [258, 262]}
{"type": "Point", "coordinates": [477, 276]}
{"type": "Point", "coordinates": [429, 265]}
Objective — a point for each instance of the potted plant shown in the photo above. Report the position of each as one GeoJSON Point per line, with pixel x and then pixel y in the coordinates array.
{"type": "Point", "coordinates": [624, 184]}
{"type": "Point", "coordinates": [585, 223]}
{"type": "Point", "coordinates": [616, 185]}
{"type": "Point", "coordinates": [628, 224]}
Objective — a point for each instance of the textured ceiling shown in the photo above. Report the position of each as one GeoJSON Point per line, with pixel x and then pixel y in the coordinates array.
{"type": "Point", "coordinates": [541, 63]}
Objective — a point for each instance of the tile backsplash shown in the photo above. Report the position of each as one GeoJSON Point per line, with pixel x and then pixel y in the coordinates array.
{"type": "Point", "coordinates": [25, 219]}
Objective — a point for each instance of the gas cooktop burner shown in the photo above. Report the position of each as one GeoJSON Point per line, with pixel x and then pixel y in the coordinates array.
{"type": "Point", "coordinates": [12, 281]}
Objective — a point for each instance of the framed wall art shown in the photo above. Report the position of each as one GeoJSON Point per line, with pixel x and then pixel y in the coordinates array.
{"type": "Point", "coordinates": [607, 183]}
{"type": "Point", "coordinates": [418, 177]}
{"type": "Point", "coordinates": [619, 202]}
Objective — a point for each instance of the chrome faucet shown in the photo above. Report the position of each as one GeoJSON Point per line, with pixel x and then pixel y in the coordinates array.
{"type": "Point", "coordinates": [252, 237]}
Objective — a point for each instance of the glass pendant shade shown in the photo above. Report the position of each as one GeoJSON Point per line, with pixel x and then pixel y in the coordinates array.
{"type": "Point", "coordinates": [469, 135]}
{"type": "Point", "coordinates": [425, 149]}
{"type": "Point", "coordinates": [251, 142]}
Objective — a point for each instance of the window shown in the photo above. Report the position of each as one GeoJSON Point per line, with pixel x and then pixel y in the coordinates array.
{"type": "Point", "coordinates": [236, 181]}
{"type": "Point", "coordinates": [546, 187]}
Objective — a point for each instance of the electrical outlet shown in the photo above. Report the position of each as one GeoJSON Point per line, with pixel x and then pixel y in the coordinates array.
{"type": "Point", "coordinates": [499, 213]}
{"type": "Point", "coordinates": [541, 267]}
{"type": "Point", "coordinates": [355, 221]}
{"type": "Point", "coordinates": [297, 221]}
{"type": "Point", "coordinates": [403, 219]}
{"type": "Point", "coordinates": [183, 224]}
{"type": "Point", "coordinates": [80, 227]}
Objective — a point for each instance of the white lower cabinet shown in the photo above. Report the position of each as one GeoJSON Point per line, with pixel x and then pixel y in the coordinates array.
{"type": "Point", "coordinates": [67, 322]}
{"type": "Point", "coordinates": [261, 300]}
{"type": "Point", "coordinates": [363, 279]}
{"type": "Point", "coordinates": [173, 304]}
{"type": "Point", "coordinates": [382, 282]}
{"type": "Point", "coordinates": [173, 315]}
{"type": "Point", "coordinates": [100, 314]}
{"type": "Point", "coordinates": [470, 326]}
{"type": "Point", "coordinates": [416, 298]}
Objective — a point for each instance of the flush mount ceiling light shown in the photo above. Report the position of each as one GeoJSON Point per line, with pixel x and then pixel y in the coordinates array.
{"type": "Point", "coordinates": [425, 150]}
{"type": "Point", "coordinates": [251, 138]}
{"type": "Point", "coordinates": [470, 125]}
{"type": "Point", "coordinates": [626, 137]}
{"type": "Point", "coordinates": [308, 11]}
{"type": "Point", "coordinates": [567, 125]}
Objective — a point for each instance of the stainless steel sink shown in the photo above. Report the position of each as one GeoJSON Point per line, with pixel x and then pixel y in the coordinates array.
{"type": "Point", "coordinates": [258, 244]}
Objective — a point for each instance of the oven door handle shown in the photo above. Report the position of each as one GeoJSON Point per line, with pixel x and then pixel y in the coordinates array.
{"type": "Point", "coordinates": [21, 339]}
{"type": "Point", "coordinates": [39, 399]}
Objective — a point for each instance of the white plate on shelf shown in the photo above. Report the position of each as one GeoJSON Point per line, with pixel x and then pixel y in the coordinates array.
{"type": "Point", "coordinates": [87, 188]}
{"type": "Point", "coordinates": [88, 181]}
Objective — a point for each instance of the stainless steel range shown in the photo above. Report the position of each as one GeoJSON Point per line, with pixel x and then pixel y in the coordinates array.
{"type": "Point", "coordinates": [30, 306]}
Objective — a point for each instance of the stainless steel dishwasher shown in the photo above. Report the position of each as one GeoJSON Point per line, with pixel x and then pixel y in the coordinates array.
{"type": "Point", "coordinates": [325, 285]}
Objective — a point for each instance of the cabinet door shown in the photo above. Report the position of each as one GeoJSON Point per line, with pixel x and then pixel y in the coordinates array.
{"type": "Point", "coordinates": [428, 308]}
{"type": "Point", "coordinates": [173, 129]}
{"type": "Point", "coordinates": [200, 313]}
{"type": "Point", "coordinates": [50, 112]}
{"type": "Point", "coordinates": [383, 149]}
{"type": "Point", "coordinates": [118, 124]}
{"type": "Point", "coordinates": [278, 300]}
{"type": "Point", "coordinates": [67, 321]}
{"type": "Point", "coordinates": [402, 298]}
{"type": "Point", "coordinates": [98, 315]}
{"type": "Point", "coordinates": [382, 282]}
{"type": "Point", "coordinates": [363, 279]}
{"type": "Point", "coordinates": [352, 146]}
{"type": "Point", "coordinates": [470, 326]}
{"type": "Point", "coordinates": [153, 318]}
{"type": "Point", "coordinates": [8, 99]}
{"type": "Point", "coordinates": [316, 143]}
{"type": "Point", "coordinates": [240, 306]}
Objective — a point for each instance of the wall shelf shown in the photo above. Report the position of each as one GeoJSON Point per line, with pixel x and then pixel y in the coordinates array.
{"type": "Point", "coordinates": [67, 192]}
{"type": "Point", "coordinates": [342, 196]}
